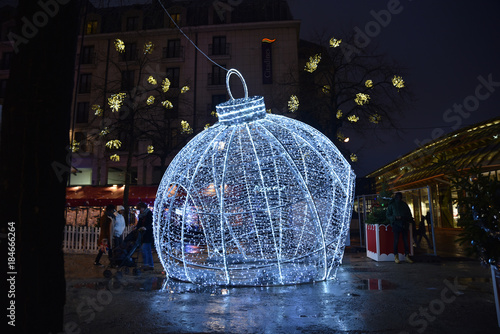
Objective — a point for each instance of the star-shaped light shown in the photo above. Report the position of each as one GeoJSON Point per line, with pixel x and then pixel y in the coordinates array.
{"type": "Point", "coordinates": [116, 101]}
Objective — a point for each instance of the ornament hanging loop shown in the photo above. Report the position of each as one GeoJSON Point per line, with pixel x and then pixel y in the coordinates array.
{"type": "Point", "coordinates": [228, 75]}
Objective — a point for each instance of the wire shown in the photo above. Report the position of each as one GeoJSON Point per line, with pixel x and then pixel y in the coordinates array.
{"type": "Point", "coordinates": [182, 32]}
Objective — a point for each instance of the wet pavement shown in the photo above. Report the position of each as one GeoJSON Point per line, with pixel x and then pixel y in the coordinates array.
{"type": "Point", "coordinates": [448, 293]}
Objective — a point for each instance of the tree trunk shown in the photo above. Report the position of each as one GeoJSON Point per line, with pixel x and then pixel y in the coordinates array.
{"type": "Point", "coordinates": [35, 161]}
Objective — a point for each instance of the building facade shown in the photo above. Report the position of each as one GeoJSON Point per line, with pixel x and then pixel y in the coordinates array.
{"type": "Point", "coordinates": [258, 38]}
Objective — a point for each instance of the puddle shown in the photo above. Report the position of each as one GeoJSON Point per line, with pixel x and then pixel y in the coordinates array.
{"type": "Point", "coordinates": [375, 284]}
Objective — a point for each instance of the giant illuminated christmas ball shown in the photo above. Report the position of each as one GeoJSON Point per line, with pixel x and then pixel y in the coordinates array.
{"type": "Point", "coordinates": [256, 199]}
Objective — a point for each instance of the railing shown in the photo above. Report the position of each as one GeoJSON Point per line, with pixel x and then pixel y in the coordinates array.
{"type": "Point", "coordinates": [83, 239]}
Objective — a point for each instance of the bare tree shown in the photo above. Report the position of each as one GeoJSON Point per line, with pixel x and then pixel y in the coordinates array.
{"type": "Point", "coordinates": [345, 87]}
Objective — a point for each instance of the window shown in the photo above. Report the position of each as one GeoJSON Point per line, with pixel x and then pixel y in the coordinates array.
{"type": "Point", "coordinates": [130, 52]}
{"type": "Point", "coordinates": [91, 27]}
{"type": "Point", "coordinates": [132, 23]}
{"type": "Point", "coordinates": [85, 83]}
{"type": "Point", "coordinates": [173, 49]}
{"type": "Point", "coordinates": [3, 88]}
{"type": "Point", "coordinates": [6, 60]}
{"type": "Point", "coordinates": [173, 75]}
{"type": "Point", "coordinates": [219, 45]}
{"type": "Point", "coordinates": [128, 80]}
{"type": "Point", "coordinates": [218, 76]}
{"type": "Point", "coordinates": [87, 56]}
{"type": "Point", "coordinates": [82, 113]}
{"type": "Point", "coordinates": [176, 18]}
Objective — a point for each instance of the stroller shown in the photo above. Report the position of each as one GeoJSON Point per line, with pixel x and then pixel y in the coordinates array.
{"type": "Point", "coordinates": [122, 256]}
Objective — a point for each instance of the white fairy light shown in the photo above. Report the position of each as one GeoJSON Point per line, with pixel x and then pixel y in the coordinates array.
{"type": "Point", "coordinates": [256, 199]}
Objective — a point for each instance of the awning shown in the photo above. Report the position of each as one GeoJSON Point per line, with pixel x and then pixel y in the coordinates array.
{"type": "Point", "coordinates": [102, 196]}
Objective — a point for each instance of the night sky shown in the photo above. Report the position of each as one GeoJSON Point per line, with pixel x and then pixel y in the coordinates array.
{"type": "Point", "coordinates": [445, 45]}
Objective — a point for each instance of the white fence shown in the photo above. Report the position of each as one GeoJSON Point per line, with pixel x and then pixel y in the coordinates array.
{"type": "Point", "coordinates": [83, 239]}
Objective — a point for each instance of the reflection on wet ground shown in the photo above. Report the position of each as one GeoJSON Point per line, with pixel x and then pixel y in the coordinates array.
{"type": "Point", "coordinates": [375, 284]}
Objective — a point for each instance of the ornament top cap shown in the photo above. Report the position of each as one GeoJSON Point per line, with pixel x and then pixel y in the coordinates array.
{"type": "Point", "coordinates": [236, 111]}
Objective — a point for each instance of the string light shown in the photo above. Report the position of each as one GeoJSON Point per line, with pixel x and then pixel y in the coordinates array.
{"type": "Point", "coordinates": [116, 101]}
{"type": "Point", "coordinates": [256, 199]}
{"type": "Point", "coordinates": [97, 110]}
{"type": "Point", "coordinates": [369, 83]}
{"type": "Point", "coordinates": [150, 100]}
{"type": "Point", "coordinates": [186, 128]}
{"type": "Point", "coordinates": [184, 89]}
{"type": "Point", "coordinates": [354, 157]}
{"type": "Point", "coordinates": [339, 114]}
{"type": "Point", "coordinates": [115, 158]}
{"type": "Point", "coordinates": [75, 146]}
{"type": "Point", "coordinates": [376, 118]}
{"type": "Point", "coordinates": [353, 118]}
{"type": "Point", "coordinates": [165, 85]}
{"type": "Point", "coordinates": [150, 149]}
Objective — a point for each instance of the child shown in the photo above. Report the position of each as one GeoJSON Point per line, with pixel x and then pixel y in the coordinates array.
{"type": "Point", "coordinates": [103, 248]}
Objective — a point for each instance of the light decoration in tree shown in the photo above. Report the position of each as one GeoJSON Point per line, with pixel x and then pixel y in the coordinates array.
{"type": "Point", "coordinates": [354, 157]}
{"type": "Point", "coordinates": [75, 146]}
{"type": "Point", "coordinates": [293, 103]}
{"type": "Point", "coordinates": [339, 114]}
{"type": "Point", "coordinates": [152, 80]}
{"type": "Point", "coordinates": [115, 158]}
{"type": "Point", "coordinates": [375, 118]}
{"type": "Point", "coordinates": [326, 89]}
{"type": "Point", "coordinates": [116, 101]}
{"type": "Point", "coordinates": [398, 82]}
{"type": "Point", "coordinates": [186, 128]}
{"type": "Point", "coordinates": [184, 89]}
{"type": "Point", "coordinates": [104, 132]}
{"type": "Point", "coordinates": [119, 45]}
{"type": "Point", "coordinates": [165, 85]}
{"type": "Point", "coordinates": [353, 118]}
{"type": "Point", "coordinates": [97, 110]}
{"type": "Point", "coordinates": [207, 126]}
{"type": "Point", "coordinates": [362, 99]}
{"type": "Point", "coordinates": [150, 100]}
{"type": "Point", "coordinates": [150, 149]}
{"type": "Point", "coordinates": [114, 144]}
{"type": "Point", "coordinates": [369, 83]}
{"type": "Point", "coordinates": [256, 199]}
{"type": "Point", "coordinates": [335, 42]}
{"type": "Point", "coordinates": [313, 62]}
{"type": "Point", "coordinates": [167, 104]}
{"type": "Point", "coordinates": [148, 47]}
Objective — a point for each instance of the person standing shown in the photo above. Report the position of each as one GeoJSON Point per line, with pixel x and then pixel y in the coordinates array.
{"type": "Point", "coordinates": [399, 215]}
{"type": "Point", "coordinates": [146, 225]}
{"type": "Point", "coordinates": [118, 226]}
{"type": "Point", "coordinates": [106, 222]}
